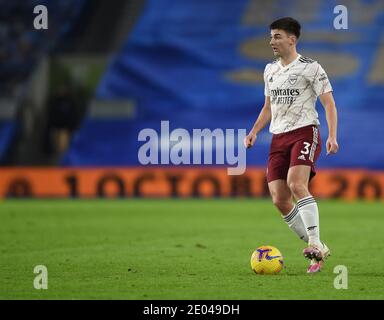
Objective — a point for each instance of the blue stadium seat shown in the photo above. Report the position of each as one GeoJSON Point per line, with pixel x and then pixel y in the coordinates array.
{"type": "Point", "coordinates": [7, 133]}
{"type": "Point", "coordinates": [16, 32]}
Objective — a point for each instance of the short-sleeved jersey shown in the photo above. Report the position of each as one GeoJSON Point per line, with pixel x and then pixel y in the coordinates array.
{"type": "Point", "coordinates": [293, 90]}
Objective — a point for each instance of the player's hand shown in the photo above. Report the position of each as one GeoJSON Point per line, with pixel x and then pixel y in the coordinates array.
{"type": "Point", "coordinates": [249, 140]}
{"type": "Point", "coordinates": [332, 145]}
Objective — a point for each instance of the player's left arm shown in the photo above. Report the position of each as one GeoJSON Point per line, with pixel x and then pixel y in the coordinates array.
{"type": "Point", "coordinates": [329, 105]}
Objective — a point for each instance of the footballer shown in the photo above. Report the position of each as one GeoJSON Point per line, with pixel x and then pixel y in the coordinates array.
{"type": "Point", "coordinates": [292, 84]}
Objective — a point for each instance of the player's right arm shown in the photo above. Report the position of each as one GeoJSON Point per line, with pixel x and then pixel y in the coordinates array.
{"type": "Point", "coordinates": [263, 119]}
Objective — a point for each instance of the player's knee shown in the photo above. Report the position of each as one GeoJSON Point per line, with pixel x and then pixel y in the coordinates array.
{"type": "Point", "coordinates": [284, 205]}
{"type": "Point", "coordinates": [297, 188]}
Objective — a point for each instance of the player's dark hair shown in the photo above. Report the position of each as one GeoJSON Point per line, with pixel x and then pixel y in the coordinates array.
{"type": "Point", "coordinates": [287, 24]}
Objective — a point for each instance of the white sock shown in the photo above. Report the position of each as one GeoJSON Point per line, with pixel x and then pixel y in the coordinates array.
{"type": "Point", "coordinates": [295, 223]}
{"type": "Point", "coordinates": [310, 215]}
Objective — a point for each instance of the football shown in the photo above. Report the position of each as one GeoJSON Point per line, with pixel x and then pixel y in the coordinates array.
{"type": "Point", "coordinates": [267, 260]}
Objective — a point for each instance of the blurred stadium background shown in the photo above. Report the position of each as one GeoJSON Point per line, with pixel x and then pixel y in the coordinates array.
{"type": "Point", "coordinates": [74, 97]}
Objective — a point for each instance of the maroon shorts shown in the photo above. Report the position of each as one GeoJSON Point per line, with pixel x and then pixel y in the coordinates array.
{"type": "Point", "coordinates": [297, 147]}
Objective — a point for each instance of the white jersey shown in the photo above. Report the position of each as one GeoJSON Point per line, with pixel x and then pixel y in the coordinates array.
{"type": "Point", "coordinates": [293, 90]}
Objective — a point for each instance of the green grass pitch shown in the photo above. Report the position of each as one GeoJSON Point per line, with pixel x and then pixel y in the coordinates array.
{"type": "Point", "coordinates": [181, 249]}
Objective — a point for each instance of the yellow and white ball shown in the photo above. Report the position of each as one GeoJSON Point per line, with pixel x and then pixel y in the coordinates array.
{"type": "Point", "coordinates": [267, 260]}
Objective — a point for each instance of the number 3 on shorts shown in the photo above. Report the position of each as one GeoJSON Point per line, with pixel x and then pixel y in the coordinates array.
{"type": "Point", "coordinates": [306, 148]}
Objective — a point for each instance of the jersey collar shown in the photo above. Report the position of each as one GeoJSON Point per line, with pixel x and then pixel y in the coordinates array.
{"type": "Point", "coordinates": [290, 64]}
